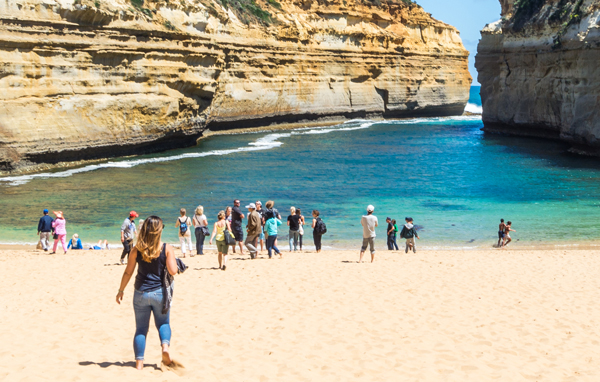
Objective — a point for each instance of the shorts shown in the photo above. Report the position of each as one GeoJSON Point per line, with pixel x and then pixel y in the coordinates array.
{"type": "Point", "coordinates": [222, 246]}
{"type": "Point", "coordinates": [500, 235]}
{"type": "Point", "coordinates": [369, 241]}
{"type": "Point", "coordinates": [238, 233]}
{"type": "Point", "coordinates": [261, 236]}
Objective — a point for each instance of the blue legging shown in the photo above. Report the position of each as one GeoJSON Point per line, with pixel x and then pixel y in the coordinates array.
{"type": "Point", "coordinates": [271, 244]}
{"type": "Point", "coordinates": [145, 303]}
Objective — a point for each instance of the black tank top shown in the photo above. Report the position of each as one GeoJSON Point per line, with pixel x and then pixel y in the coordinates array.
{"type": "Point", "coordinates": [150, 275]}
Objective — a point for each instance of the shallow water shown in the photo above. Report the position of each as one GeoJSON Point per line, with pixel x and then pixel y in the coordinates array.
{"type": "Point", "coordinates": [454, 180]}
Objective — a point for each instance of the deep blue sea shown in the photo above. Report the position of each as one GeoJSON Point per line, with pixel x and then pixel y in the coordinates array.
{"type": "Point", "coordinates": [454, 180]}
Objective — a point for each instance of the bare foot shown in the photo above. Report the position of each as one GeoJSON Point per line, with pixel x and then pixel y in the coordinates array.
{"type": "Point", "coordinates": [166, 357]}
{"type": "Point", "coordinates": [139, 364]}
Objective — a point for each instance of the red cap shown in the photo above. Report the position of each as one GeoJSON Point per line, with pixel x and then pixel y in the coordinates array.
{"type": "Point", "coordinates": [133, 214]}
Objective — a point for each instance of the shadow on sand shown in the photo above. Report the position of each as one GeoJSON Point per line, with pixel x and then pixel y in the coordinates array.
{"type": "Point", "coordinates": [119, 364]}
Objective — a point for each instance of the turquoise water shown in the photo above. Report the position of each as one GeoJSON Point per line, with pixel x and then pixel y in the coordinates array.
{"type": "Point", "coordinates": [454, 180]}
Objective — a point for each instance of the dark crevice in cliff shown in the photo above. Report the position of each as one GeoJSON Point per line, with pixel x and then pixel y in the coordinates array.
{"type": "Point", "coordinates": [167, 142]}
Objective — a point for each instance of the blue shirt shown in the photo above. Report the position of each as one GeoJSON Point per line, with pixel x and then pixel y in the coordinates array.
{"type": "Point", "coordinates": [271, 226]}
{"type": "Point", "coordinates": [77, 245]}
{"type": "Point", "coordinates": [45, 224]}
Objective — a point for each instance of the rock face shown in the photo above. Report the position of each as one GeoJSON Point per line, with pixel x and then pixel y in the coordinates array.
{"type": "Point", "coordinates": [90, 79]}
{"type": "Point", "coordinates": [540, 74]}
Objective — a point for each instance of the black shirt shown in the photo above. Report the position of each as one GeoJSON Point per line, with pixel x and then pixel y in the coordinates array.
{"type": "Point", "coordinates": [294, 222]}
{"type": "Point", "coordinates": [236, 217]}
{"type": "Point", "coordinates": [390, 227]}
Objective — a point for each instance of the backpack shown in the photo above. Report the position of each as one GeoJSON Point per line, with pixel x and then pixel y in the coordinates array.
{"type": "Point", "coordinates": [320, 227]}
{"type": "Point", "coordinates": [183, 227]}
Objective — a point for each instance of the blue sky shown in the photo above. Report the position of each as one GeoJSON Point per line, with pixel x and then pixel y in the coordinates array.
{"type": "Point", "coordinates": [469, 16]}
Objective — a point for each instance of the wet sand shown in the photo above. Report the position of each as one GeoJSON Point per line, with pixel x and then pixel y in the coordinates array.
{"type": "Point", "coordinates": [514, 315]}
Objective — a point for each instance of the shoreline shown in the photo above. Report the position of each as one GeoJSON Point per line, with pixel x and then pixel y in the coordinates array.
{"type": "Point", "coordinates": [355, 246]}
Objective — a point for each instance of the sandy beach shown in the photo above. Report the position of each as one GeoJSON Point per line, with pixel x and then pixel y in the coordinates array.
{"type": "Point", "coordinates": [519, 315]}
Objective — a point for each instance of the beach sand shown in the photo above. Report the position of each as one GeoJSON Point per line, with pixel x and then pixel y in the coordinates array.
{"type": "Point", "coordinates": [515, 315]}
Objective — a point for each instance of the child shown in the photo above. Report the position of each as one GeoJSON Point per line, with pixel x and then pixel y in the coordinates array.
{"type": "Point", "coordinates": [271, 230]}
{"type": "Point", "coordinates": [409, 233]}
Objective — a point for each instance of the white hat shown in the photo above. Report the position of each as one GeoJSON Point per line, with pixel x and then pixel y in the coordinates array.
{"type": "Point", "coordinates": [370, 208]}
{"type": "Point", "coordinates": [251, 205]}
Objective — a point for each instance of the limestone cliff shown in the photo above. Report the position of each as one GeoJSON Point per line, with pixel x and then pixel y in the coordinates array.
{"type": "Point", "coordinates": [539, 73]}
{"type": "Point", "coordinates": [91, 79]}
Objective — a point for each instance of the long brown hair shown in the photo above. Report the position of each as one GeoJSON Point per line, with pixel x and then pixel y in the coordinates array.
{"type": "Point", "coordinates": [148, 242]}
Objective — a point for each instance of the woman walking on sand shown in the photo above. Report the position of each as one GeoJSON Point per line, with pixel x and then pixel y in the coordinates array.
{"type": "Point", "coordinates": [218, 233]}
{"type": "Point", "coordinates": [185, 234]}
{"type": "Point", "coordinates": [60, 231]}
{"type": "Point", "coordinates": [301, 223]}
{"type": "Point", "coordinates": [152, 257]}
{"type": "Point", "coordinates": [201, 231]}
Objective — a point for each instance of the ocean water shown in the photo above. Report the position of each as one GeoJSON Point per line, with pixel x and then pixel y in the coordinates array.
{"type": "Point", "coordinates": [454, 180]}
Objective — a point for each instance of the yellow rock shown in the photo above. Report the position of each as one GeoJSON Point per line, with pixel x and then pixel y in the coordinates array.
{"type": "Point", "coordinates": [84, 79]}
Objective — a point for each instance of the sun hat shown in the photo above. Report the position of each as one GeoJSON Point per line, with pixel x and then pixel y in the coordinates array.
{"type": "Point", "coordinates": [45, 210]}
{"type": "Point", "coordinates": [58, 214]}
{"type": "Point", "coordinates": [370, 208]}
{"type": "Point", "coordinates": [251, 205]}
{"type": "Point", "coordinates": [133, 214]}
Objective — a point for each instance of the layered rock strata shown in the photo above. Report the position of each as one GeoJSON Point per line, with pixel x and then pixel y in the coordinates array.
{"type": "Point", "coordinates": [84, 79]}
{"type": "Point", "coordinates": [539, 73]}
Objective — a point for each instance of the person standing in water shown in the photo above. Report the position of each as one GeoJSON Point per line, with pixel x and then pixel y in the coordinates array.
{"type": "Point", "coordinates": [128, 231]}
{"type": "Point", "coordinates": [369, 223]}
{"type": "Point", "coordinates": [507, 231]}
{"type": "Point", "coordinates": [201, 229]}
{"type": "Point", "coordinates": [153, 258]}
{"type": "Point", "coordinates": [60, 231]}
{"type": "Point", "coordinates": [185, 234]}
{"type": "Point", "coordinates": [218, 233]}
{"type": "Point", "coordinates": [45, 230]}
{"type": "Point", "coordinates": [409, 233]}
{"type": "Point", "coordinates": [501, 233]}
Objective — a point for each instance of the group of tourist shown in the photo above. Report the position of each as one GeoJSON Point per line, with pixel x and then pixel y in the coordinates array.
{"type": "Point", "coordinates": [261, 230]}
{"type": "Point", "coordinates": [369, 222]}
